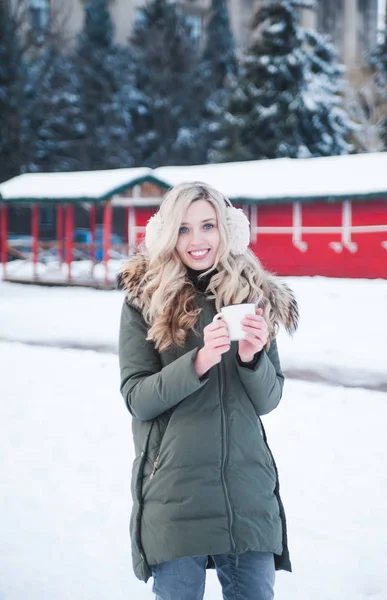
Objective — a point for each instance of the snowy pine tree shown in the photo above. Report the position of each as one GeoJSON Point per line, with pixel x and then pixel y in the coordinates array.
{"type": "Point", "coordinates": [53, 128]}
{"type": "Point", "coordinates": [325, 89]}
{"type": "Point", "coordinates": [12, 78]}
{"type": "Point", "coordinates": [282, 102]}
{"type": "Point", "coordinates": [129, 105]}
{"type": "Point", "coordinates": [218, 66]}
{"type": "Point", "coordinates": [101, 72]}
{"type": "Point", "coordinates": [165, 61]}
{"type": "Point", "coordinates": [219, 57]}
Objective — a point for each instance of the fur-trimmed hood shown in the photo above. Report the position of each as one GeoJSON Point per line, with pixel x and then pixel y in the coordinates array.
{"type": "Point", "coordinates": [281, 297]}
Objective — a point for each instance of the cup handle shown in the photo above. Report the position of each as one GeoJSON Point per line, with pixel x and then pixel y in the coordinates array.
{"type": "Point", "coordinates": [217, 317]}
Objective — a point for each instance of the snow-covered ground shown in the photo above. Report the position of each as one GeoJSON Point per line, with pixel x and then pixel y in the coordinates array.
{"type": "Point", "coordinates": [66, 451]}
{"type": "Point", "coordinates": [342, 335]}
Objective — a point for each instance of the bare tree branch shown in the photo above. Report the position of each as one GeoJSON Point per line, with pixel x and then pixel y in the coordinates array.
{"type": "Point", "coordinates": [367, 108]}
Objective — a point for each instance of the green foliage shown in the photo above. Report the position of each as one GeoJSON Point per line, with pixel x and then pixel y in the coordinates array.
{"type": "Point", "coordinates": [284, 101]}
{"type": "Point", "coordinates": [165, 68]}
{"type": "Point", "coordinates": [219, 56]}
{"type": "Point", "coordinates": [101, 72]}
{"type": "Point", "coordinates": [12, 81]}
{"type": "Point", "coordinates": [52, 128]}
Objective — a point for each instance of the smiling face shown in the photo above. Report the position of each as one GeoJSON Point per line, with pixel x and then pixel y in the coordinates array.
{"type": "Point", "coordinates": [199, 237]}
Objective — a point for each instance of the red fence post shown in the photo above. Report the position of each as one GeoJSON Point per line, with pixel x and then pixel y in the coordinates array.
{"type": "Point", "coordinates": [107, 229]}
{"type": "Point", "coordinates": [35, 237]}
{"type": "Point", "coordinates": [59, 231]}
{"type": "Point", "coordinates": [126, 230]}
{"type": "Point", "coordinates": [93, 231]}
{"type": "Point", "coordinates": [4, 236]}
{"type": "Point", "coordinates": [69, 238]}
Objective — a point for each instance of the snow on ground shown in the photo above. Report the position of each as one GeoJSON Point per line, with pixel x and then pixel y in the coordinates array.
{"type": "Point", "coordinates": [66, 455]}
{"type": "Point", "coordinates": [50, 270]}
{"type": "Point", "coordinates": [342, 334]}
{"type": "Point", "coordinates": [343, 330]}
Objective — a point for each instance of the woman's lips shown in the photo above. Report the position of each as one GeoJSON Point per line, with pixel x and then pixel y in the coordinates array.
{"type": "Point", "coordinates": [199, 254]}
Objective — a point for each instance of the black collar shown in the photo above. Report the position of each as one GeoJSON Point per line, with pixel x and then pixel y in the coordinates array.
{"type": "Point", "coordinates": [200, 283]}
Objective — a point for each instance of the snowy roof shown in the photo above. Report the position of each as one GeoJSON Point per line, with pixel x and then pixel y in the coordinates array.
{"type": "Point", "coordinates": [80, 185]}
{"type": "Point", "coordinates": [285, 179]}
{"type": "Point", "coordinates": [353, 176]}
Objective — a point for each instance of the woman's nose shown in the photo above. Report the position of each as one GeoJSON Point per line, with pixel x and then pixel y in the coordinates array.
{"type": "Point", "coordinates": [197, 236]}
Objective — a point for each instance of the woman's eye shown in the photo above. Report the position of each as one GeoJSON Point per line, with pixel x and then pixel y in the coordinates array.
{"type": "Point", "coordinates": [208, 226]}
{"type": "Point", "coordinates": [183, 229]}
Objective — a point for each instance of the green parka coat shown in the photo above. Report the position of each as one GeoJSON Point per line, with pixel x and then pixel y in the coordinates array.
{"type": "Point", "coordinates": [204, 480]}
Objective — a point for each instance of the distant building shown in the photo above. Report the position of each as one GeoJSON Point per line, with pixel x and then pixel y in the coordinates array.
{"type": "Point", "coordinates": [315, 216]}
{"type": "Point", "coordinates": [352, 24]}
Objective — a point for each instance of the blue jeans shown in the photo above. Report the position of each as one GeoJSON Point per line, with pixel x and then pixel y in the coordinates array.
{"type": "Point", "coordinates": [248, 576]}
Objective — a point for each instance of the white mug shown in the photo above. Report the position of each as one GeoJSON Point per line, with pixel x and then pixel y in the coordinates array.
{"type": "Point", "coordinates": [233, 315]}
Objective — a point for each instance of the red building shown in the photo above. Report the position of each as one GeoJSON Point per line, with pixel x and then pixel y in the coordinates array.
{"type": "Point", "coordinates": [322, 216]}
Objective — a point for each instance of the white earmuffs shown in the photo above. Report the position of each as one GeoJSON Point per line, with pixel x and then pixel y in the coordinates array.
{"type": "Point", "coordinates": [237, 223]}
{"type": "Point", "coordinates": [238, 229]}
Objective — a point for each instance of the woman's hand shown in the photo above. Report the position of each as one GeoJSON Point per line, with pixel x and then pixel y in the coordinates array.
{"type": "Point", "coordinates": [257, 334]}
{"type": "Point", "coordinates": [216, 343]}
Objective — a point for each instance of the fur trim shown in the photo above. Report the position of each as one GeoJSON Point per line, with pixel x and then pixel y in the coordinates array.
{"type": "Point", "coordinates": [130, 278]}
{"type": "Point", "coordinates": [281, 297]}
{"type": "Point", "coordinates": [283, 303]}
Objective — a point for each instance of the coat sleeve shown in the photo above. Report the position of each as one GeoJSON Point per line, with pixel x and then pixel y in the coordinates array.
{"type": "Point", "coordinates": [264, 382]}
{"type": "Point", "coordinates": [148, 388]}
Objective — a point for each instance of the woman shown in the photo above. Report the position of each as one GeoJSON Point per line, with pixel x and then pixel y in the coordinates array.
{"type": "Point", "coordinates": [204, 483]}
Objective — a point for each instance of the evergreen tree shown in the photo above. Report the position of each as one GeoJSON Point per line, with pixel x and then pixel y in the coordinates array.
{"type": "Point", "coordinates": [219, 57]}
{"type": "Point", "coordinates": [165, 60]}
{"type": "Point", "coordinates": [218, 66]}
{"type": "Point", "coordinates": [129, 105]}
{"type": "Point", "coordinates": [324, 78]}
{"type": "Point", "coordinates": [99, 64]}
{"type": "Point", "coordinates": [12, 77]}
{"type": "Point", "coordinates": [282, 102]}
{"type": "Point", "coordinates": [378, 63]}
{"type": "Point", "coordinates": [53, 127]}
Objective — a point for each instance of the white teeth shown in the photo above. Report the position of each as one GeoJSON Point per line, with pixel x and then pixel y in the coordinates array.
{"type": "Point", "coordinates": [199, 253]}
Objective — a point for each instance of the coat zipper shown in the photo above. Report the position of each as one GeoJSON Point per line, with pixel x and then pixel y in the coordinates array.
{"type": "Point", "coordinates": [225, 456]}
{"type": "Point", "coordinates": [155, 467]}
{"type": "Point", "coordinates": [139, 498]}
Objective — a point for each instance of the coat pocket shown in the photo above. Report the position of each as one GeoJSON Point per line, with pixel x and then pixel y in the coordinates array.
{"type": "Point", "coordinates": [155, 449]}
{"type": "Point", "coordinates": [266, 449]}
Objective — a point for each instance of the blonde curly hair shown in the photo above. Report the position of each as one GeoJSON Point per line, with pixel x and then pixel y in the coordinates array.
{"type": "Point", "coordinates": [169, 298]}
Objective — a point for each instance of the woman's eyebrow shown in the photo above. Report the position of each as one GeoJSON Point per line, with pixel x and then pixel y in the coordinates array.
{"type": "Point", "coordinates": [205, 221]}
